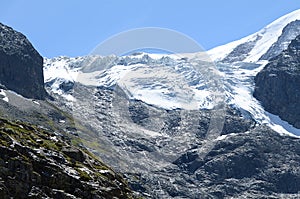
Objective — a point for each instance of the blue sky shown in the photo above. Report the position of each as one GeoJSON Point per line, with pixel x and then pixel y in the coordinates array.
{"type": "Point", "coordinates": [74, 28]}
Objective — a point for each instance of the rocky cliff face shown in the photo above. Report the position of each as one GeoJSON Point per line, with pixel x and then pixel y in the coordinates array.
{"type": "Point", "coordinates": [258, 164]}
{"type": "Point", "coordinates": [21, 66]}
{"type": "Point", "coordinates": [277, 85]}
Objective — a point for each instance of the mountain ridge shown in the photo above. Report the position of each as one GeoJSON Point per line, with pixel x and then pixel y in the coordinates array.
{"type": "Point", "coordinates": [263, 40]}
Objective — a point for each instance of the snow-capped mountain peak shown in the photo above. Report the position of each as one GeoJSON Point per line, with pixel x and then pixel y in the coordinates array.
{"type": "Point", "coordinates": [254, 46]}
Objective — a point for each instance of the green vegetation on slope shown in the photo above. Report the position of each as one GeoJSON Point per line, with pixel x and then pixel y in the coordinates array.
{"type": "Point", "coordinates": [38, 163]}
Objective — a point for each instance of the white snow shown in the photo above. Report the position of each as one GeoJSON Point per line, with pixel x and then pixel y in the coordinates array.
{"type": "Point", "coordinates": [222, 137]}
{"type": "Point", "coordinates": [3, 95]}
{"type": "Point", "coordinates": [54, 138]}
{"type": "Point", "coordinates": [58, 69]}
{"type": "Point", "coordinates": [282, 127]}
{"type": "Point", "coordinates": [104, 171]}
{"type": "Point", "coordinates": [36, 102]}
{"type": "Point", "coordinates": [158, 85]}
{"type": "Point", "coordinates": [269, 35]}
{"type": "Point", "coordinates": [220, 52]}
{"type": "Point", "coordinates": [106, 78]}
{"type": "Point", "coordinates": [155, 56]}
{"type": "Point", "coordinates": [240, 85]}
{"type": "Point", "coordinates": [62, 121]}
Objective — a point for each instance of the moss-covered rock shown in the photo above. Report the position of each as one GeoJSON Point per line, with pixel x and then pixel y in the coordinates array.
{"type": "Point", "coordinates": [37, 163]}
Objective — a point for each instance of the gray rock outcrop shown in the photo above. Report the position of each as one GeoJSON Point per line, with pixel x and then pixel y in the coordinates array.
{"type": "Point", "coordinates": [21, 66]}
{"type": "Point", "coordinates": [277, 85]}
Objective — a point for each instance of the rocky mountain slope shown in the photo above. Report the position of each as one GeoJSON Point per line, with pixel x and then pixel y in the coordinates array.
{"type": "Point", "coordinates": [277, 85]}
{"type": "Point", "coordinates": [21, 66]}
{"type": "Point", "coordinates": [255, 164]}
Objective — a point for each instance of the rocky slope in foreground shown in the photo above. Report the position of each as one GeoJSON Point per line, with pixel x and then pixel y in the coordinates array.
{"type": "Point", "coordinates": [37, 163]}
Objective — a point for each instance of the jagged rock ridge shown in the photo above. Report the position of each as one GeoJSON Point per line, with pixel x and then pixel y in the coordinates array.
{"type": "Point", "coordinates": [289, 33]}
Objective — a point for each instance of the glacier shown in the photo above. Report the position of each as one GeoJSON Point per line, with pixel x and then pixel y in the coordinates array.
{"type": "Point", "coordinates": [172, 81]}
